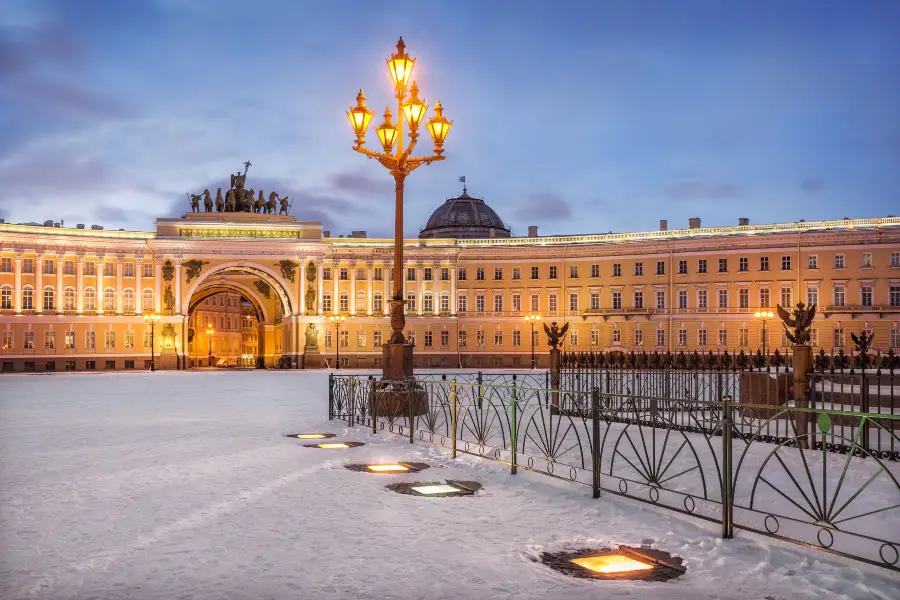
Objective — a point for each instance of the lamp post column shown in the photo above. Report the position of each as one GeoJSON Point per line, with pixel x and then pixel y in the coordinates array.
{"type": "Point", "coordinates": [398, 360]}
{"type": "Point", "coordinates": [532, 345]}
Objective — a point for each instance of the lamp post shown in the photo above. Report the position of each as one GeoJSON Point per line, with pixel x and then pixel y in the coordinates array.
{"type": "Point", "coordinates": [533, 318]}
{"type": "Point", "coordinates": [209, 333]}
{"type": "Point", "coordinates": [337, 320]}
{"type": "Point", "coordinates": [764, 316]}
{"type": "Point", "coordinates": [397, 352]}
{"type": "Point", "coordinates": [152, 319]}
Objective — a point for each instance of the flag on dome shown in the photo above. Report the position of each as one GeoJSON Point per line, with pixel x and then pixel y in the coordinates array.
{"type": "Point", "coordinates": [462, 179]}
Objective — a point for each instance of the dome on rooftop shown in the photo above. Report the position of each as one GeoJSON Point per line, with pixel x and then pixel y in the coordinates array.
{"type": "Point", "coordinates": [464, 216]}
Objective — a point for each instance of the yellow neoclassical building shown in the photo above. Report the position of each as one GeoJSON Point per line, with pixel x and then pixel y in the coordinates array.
{"type": "Point", "coordinates": [76, 298]}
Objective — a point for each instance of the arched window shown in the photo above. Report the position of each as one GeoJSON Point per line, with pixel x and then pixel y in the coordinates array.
{"type": "Point", "coordinates": [27, 298]}
{"type": "Point", "coordinates": [49, 298]}
{"type": "Point", "coordinates": [445, 303]}
{"type": "Point", "coordinates": [109, 300]}
{"type": "Point", "coordinates": [90, 299]}
{"type": "Point", "coordinates": [69, 298]}
{"type": "Point", "coordinates": [411, 302]}
{"type": "Point", "coordinates": [428, 302]}
{"type": "Point", "coordinates": [344, 303]}
{"type": "Point", "coordinates": [326, 302]}
{"type": "Point", "coordinates": [6, 301]}
{"type": "Point", "coordinates": [377, 303]}
{"type": "Point", "coordinates": [128, 301]}
{"type": "Point", "coordinates": [361, 303]}
{"type": "Point", "coordinates": [147, 300]}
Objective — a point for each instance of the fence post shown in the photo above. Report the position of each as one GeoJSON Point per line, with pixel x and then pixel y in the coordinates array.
{"type": "Point", "coordinates": [802, 363]}
{"type": "Point", "coordinates": [411, 396]}
{"type": "Point", "coordinates": [513, 433]}
{"type": "Point", "coordinates": [595, 445]}
{"type": "Point", "coordinates": [454, 402]}
{"type": "Point", "coordinates": [727, 472]}
{"type": "Point", "coordinates": [372, 403]}
{"type": "Point", "coordinates": [864, 406]}
{"type": "Point", "coordinates": [330, 396]}
{"type": "Point", "coordinates": [480, 391]}
{"type": "Point", "coordinates": [350, 401]}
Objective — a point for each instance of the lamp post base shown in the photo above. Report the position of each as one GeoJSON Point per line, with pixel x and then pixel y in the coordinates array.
{"type": "Point", "coordinates": [398, 361]}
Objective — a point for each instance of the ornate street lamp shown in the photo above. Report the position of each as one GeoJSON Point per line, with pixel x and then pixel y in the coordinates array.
{"type": "Point", "coordinates": [209, 332]}
{"type": "Point", "coordinates": [152, 319]}
{"type": "Point", "coordinates": [337, 320]}
{"type": "Point", "coordinates": [532, 318]}
{"type": "Point", "coordinates": [398, 358]}
{"type": "Point", "coordinates": [764, 316]}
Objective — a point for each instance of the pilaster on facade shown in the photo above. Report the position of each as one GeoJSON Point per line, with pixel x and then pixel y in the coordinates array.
{"type": "Point", "coordinates": [320, 269]}
{"type": "Point", "coordinates": [39, 284]}
{"type": "Point", "coordinates": [351, 273]}
{"type": "Point", "coordinates": [139, 285]}
{"type": "Point", "coordinates": [370, 287]}
{"type": "Point", "coordinates": [178, 310]}
{"type": "Point", "coordinates": [59, 299]}
{"type": "Point", "coordinates": [336, 279]}
{"type": "Point", "coordinates": [79, 283]}
{"type": "Point", "coordinates": [157, 293]}
{"type": "Point", "coordinates": [17, 287]}
{"type": "Point", "coordinates": [119, 290]}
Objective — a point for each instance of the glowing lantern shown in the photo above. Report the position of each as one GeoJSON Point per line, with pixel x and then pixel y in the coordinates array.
{"type": "Point", "coordinates": [400, 66]}
{"type": "Point", "coordinates": [414, 109]}
{"type": "Point", "coordinates": [439, 127]}
{"type": "Point", "coordinates": [359, 117]}
{"type": "Point", "coordinates": [387, 132]}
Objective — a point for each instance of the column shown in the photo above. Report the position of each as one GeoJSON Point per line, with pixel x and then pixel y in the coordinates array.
{"type": "Point", "coordinates": [79, 283]}
{"type": "Point", "coordinates": [335, 278]}
{"type": "Point", "coordinates": [302, 300]}
{"type": "Point", "coordinates": [320, 267]}
{"type": "Point", "coordinates": [39, 284]}
{"type": "Point", "coordinates": [17, 283]}
{"type": "Point", "coordinates": [119, 291]}
{"type": "Point", "coordinates": [386, 297]}
{"type": "Point", "coordinates": [139, 285]}
{"type": "Point", "coordinates": [98, 286]}
{"type": "Point", "coordinates": [178, 286]}
{"type": "Point", "coordinates": [453, 300]}
{"type": "Point", "coordinates": [420, 282]}
{"type": "Point", "coordinates": [59, 283]}
{"type": "Point", "coordinates": [370, 289]}
{"type": "Point", "coordinates": [352, 272]}
{"type": "Point", "coordinates": [157, 292]}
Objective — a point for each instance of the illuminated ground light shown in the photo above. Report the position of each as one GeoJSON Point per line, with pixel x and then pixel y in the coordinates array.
{"type": "Point", "coordinates": [643, 564]}
{"type": "Point", "coordinates": [389, 468]}
{"type": "Point", "coordinates": [334, 445]}
{"type": "Point", "coordinates": [436, 489]}
{"type": "Point", "coordinates": [311, 436]}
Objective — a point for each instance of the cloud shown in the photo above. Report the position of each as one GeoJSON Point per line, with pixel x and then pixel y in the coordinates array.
{"type": "Point", "coordinates": [812, 184]}
{"type": "Point", "coordinates": [543, 206]}
{"type": "Point", "coordinates": [357, 182]}
{"type": "Point", "coordinates": [34, 173]}
{"type": "Point", "coordinates": [695, 190]}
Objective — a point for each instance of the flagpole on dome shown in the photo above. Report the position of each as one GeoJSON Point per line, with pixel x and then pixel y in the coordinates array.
{"type": "Point", "coordinates": [463, 181]}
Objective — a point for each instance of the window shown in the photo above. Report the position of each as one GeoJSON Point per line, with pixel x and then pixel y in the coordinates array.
{"type": "Point", "coordinates": [573, 301]}
{"type": "Point", "coordinates": [517, 302]}
{"type": "Point", "coordinates": [90, 299]}
{"type": "Point", "coordinates": [701, 265]}
{"type": "Point", "coordinates": [865, 295]}
{"type": "Point", "coordinates": [723, 337]}
{"type": "Point", "coordinates": [90, 340]}
{"type": "Point", "coordinates": [812, 296]}
{"type": "Point", "coordinates": [638, 337]}
{"type": "Point", "coordinates": [90, 268]}
{"type": "Point", "coordinates": [660, 267]}
{"type": "Point", "coordinates": [595, 337]}
{"type": "Point", "coordinates": [326, 273]}
{"type": "Point", "coordinates": [638, 268]}
{"type": "Point", "coordinates": [498, 273]}
{"type": "Point", "coordinates": [701, 298]}
{"type": "Point", "coordinates": [682, 299]}
{"type": "Point", "coordinates": [595, 270]}
{"type": "Point", "coordinates": [723, 298]}
{"type": "Point", "coordinates": [128, 269]}
{"type": "Point", "coordinates": [639, 299]}
{"type": "Point", "coordinates": [27, 298]}
{"type": "Point", "coordinates": [479, 338]}
{"type": "Point", "coordinates": [744, 298]}
{"type": "Point", "coordinates": [701, 337]}
{"type": "Point", "coordinates": [682, 267]}
{"type": "Point", "coordinates": [551, 302]}
{"type": "Point", "coordinates": [812, 262]}
{"type": "Point", "coordinates": [838, 261]}
{"type": "Point", "coordinates": [7, 340]}
{"type": "Point", "coordinates": [660, 299]}
{"type": "Point", "coordinates": [682, 337]}
{"type": "Point", "coordinates": [109, 300]}
{"type": "Point", "coordinates": [28, 265]}
{"type": "Point", "coordinates": [28, 339]}
{"type": "Point", "coordinates": [49, 299]}
{"type": "Point", "coordinates": [895, 338]}
{"type": "Point", "coordinates": [462, 338]}
{"type": "Point", "coordinates": [343, 274]}
{"type": "Point", "coordinates": [461, 274]}
{"type": "Point", "coordinates": [498, 338]}
{"type": "Point", "coordinates": [128, 301]}
{"type": "Point", "coordinates": [110, 365]}
{"type": "Point", "coordinates": [345, 338]}
{"type": "Point", "coordinates": [479, 274]}
{"type": "Point", "coordinates": [461, 304]}
{"type": "Point", "coordinates": [660, 337]}
{"type": "Point", "coordinates": [6, 265]}
{"type": "Point", "coordinates": [764, 297]}
{"type": "Point", "coordinates": [595, 300]}
{"type": "Point", "coordinates": [69, 298]}
{"type": "Point", "coordinates": [109, 340]}
{"type": "Point", "coordinates": [129, 338]}
{"type": "Point", "coordinates": [70, 365]}
{"type": "Point", "coordinates": [535, 302]}
{"type": "Point", "coordinates": [786, 297]}
{"type": "Point", "coordinates": [378, 274]}
{"type": "Point", "coordinates": [743, 337]}
{"type": "Point", "coordinates": [6, 302]}
{"type": "Point", "coordinates": [148, 269]}
{"type": "Point", "coordinates": [147, 300]}
{"type": "Point", "coordinates": [839, 337]}
{"type": "Point", "coordinates": [535, 272]}
{"type": "Point", "coordinates": [49, 340]}
{"type": "Point", "coordinates": [426, 274]}
{"type": "Point", "coordinates": [763, 263]}
{"type": "Point", "coordinates": [723, 265]}
{"type": "Point", "coordinates": [743, 264]}
{"type": "Point", "coordinates": [377, 304]}
{"type": "Point", "coordinates": [410, 302]}
{"type": "Point", "coordinates": [617, 270]}
{"type": "Point", "coordinates": [328, 338]}
{"type": "Point", "coordinates": [109, 269]}
{"type": "Point", "coordinates": [895, 259]}
{"type": "Point", "coordinates": [49, 266]}
{"type": "Point", "coordinates": [498, 303]}
{"type": "Point", "coordinates": [866, 260]}
{"type": "Point", "coordinates": [573, 337]}
{"type": "Point", "coordinates": [445, 274]}
{"type": "Point", "coordinates": [616, 336]}
{"type": "Point", "coordinates": [573, 271]}
{"type": "Point", "coordinates": [376, 338]}
{"type": "Point", "coordinates": [343, 302]}
{"type": "Point", "coordinates": [516, 338]}
{"type": "Point", "coordinates": [785, 263]}
{"type": "Point", "coordinates": [428, 339]}
{"type": "Point", "coordinates": [552, 272]}
{"type": "Point", "coordinates": [479, 302]}
{"type": "Point", "coordinates": [70, 340]}
{"type": "Point", "coordinates": [445, 338]}
{"type": "Point", "coordinates": [69, 267]}
{"type": "Point", "coordinates": [839, 292]}
{"type": "Point", "coordinates": [617, 300]}
{"type": "Point", "coordinates": [428, 303]}
{"type": "Point", "coordinates": [894, 295]}
{"type": "Point", "coordinates": [361, 303]}
{"type": "Point", "coordinates": [326, 302]}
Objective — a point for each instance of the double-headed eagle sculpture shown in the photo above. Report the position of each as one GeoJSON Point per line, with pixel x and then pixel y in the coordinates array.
{"type": "Point", "coordinates": [800, 322]}
{"type": "Point", "coordinates": [555, 334]}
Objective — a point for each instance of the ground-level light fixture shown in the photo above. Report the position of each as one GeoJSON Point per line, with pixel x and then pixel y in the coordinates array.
{"type": "Point", "coordinates": [389, 468]}
{"type": "Point", "coordinates": [335, 445]}
{"type": "Point", "coordinates": [436, 489]}
{"type": "Point", "coordinates": [311, 436]}
{"type": "Point", "coordinates": [622, 562]}
{"type": "Point", "coordinates": [431, 490]}
{"type": "Point", "coordinates": [611, 563]}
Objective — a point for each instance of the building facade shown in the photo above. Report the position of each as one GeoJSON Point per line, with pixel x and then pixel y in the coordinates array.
{"type": "Point", "coordinates": [75, 299]}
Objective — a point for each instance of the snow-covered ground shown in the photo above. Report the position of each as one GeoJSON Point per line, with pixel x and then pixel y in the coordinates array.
{"type": "Point", "coordinates": [183, 486]}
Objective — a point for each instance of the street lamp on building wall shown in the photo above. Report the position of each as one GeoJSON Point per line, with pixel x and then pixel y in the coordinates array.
{"type": "Point", "coordinates": [209, 333]}
{"type": "Point", "coordinates": [337, 320]}
{"type": "Point", "coordinates": [152, 320]}
{"type": "Point", "coordinates": [764, 316]}
{"type": "Point", "coordinates": [397, 352]}
{"type": "Point", "coordinates": [533, 318]}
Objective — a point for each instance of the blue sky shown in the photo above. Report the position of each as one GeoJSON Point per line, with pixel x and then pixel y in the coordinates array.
{"type": "Point", "coordinates": [579, 117]}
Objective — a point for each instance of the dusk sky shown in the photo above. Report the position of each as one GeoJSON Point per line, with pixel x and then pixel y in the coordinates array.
{"type": "Point", "coordinates": [578, 117]}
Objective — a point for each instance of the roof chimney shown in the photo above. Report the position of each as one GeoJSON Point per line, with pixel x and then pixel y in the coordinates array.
{"type": "Point", "coordinates": [743, 221]}
{"type": "Point", "coordinates": [48, 223]}
{"type": "Point", "coordinates": [663, 225]}
{"type": "Point", "coordinates": [97, 227]}
{"type": "Point", "coordinates": [694, 223]}
{"type": "Point", "coordinates": [79, 226]}
{"type": "Point", "coordinates": [326, 234]}
{"type": "Point", "coordinates": [532, 231]}
{"type": "Point", "coordinates": [358, 234]}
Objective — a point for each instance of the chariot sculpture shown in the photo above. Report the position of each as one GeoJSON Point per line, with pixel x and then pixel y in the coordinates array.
{"type": "Point", "coordinates": [240, 199]}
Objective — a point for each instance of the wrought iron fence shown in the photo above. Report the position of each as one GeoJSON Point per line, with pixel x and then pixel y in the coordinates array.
{"type": "Point", "coordinates": [696, 442]}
